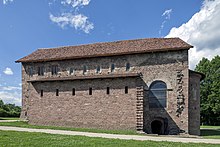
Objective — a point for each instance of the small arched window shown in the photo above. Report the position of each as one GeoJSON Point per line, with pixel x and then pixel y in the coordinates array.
{"type": "Point", "coordinates": [98, 69]}
{"type": "Point", "coordinates": [158, 94]}
{"type": "Point", "coordinates": [41, 70]}
{"type": "Point", "coordinates": [72, 71]}
{"type": "Point", "coordinates": [54, 69]}
{"type": "Point", "coordinates": [112, 67]}
{"type": "Point", "coordinates": [31, 71]}
{"type": "Point", "coordinates": [85, 68]}
{"type": "Point", "coordinates": [128, 66]}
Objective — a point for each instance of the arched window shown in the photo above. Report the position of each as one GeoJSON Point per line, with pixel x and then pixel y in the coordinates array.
{"type": "Point", "coordinates": [72, 71]}
{"type": "Point", "coordinates": [31, 71]}
{"type": "Point", "coordinates": [158, 94]}
{"type": "Point", "coordinates": [98, 69]}
{"type": "Point", "coordinates": [112, 67]}
{"type": "Point", "coordinates": [54, 69]}
{"type": "Point", "coordinates": [41, 70]}
{"type": "Point", "coordinates": [128, 66]}
{"type": "Point", "coordinates": [85, 68]}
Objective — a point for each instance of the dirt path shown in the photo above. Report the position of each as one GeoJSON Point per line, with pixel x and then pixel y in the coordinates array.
{"type": "Point", "coordinates": [114, 136]}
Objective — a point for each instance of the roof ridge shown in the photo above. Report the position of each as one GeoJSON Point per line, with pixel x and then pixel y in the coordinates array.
{"type": "Point", "coordinates": [96, 43]}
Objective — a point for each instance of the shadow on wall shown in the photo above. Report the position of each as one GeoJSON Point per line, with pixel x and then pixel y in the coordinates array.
{"type": "Point", "coordinates": [156, 118]}
{"type": "Point", "coordinates": [85, 85]}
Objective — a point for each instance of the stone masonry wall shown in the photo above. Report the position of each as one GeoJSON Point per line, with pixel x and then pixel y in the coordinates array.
{"type": "Point", "coordinates": [164, 67]}
{"type": "Point", "coordinates": [114, 111]}
{"type": "Point", "coordinates": [194, 104]}
{"type": "Point", "coordinates": [99, 110]}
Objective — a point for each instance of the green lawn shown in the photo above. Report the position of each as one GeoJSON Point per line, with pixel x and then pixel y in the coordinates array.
{"type": "Point", "coordinates": [210, 132]}
{"type": "Point", "coordinates": [23, 139]}
{"type": "Point", "coordinates": [210, 127]}
{"type": "Point", "coordinates": [26, 125]}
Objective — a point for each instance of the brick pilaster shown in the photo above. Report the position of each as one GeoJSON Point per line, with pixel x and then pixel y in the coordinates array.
{"type": "Point", "coordinates": [139, 108]}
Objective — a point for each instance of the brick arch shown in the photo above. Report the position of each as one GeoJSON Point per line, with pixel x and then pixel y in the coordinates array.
{"type": "Point", "coordinates": [163, 125]}
{"type": "Point", "coordinates": [158, 79]}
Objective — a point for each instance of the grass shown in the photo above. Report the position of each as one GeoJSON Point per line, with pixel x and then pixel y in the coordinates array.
{"type": "Point", "coordinates": [23, 139]}
{"type": "Point", "coordinates": [210, 127]}
{"type": "Point", "coordinates": [26, 125]}
{"type": "Point", "coordinates": [211, 132]}
{"type": "Point", "coordinates": [9, 118]}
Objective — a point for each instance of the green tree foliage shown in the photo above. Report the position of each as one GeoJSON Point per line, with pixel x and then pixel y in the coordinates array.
{"type": "Point", "coordinates": [210, 90]}
{"type": "Point", "coordinates": [9, 110]}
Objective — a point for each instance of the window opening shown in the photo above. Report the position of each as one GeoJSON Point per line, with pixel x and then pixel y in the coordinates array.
{"type": "Point", "coordinates": [98, 69]}
{"type": "Point", "coordinates": [158, 94]}
{"type": "Point", "coordinates": [31, 71]}
{"type": "Point", "coordinates": [90, 91]}
{"type": "Point", "coordinates": [73, 91]}
{"type": "Point", "coordinates": [41, 93]}
{"type": "Point", "coordinates": [108, 90]}
{"type": "Point", "coordinates": [41, 70]}
{"type": "Point", "coordinates": [128, 66]}
{"type": "Point", "coordinates": [71, 71]}
{"type": "Point", "coordinates": [112, 67]}
{"type": "Point", "coordinates": [84, 69]}
{"type": "Point", "coordinates": [54, 69]}
{"type": "Point", "coordinates": [126, 89]}
{"type": "Point", "coordinates": [57, 92]}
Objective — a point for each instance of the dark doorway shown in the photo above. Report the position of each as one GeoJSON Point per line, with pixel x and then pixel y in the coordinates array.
{"type": "Point", "coordinates": [157, 127]}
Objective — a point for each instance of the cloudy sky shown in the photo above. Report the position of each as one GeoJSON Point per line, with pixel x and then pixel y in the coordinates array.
{"type": "Point", "coordinates": [26, 25]}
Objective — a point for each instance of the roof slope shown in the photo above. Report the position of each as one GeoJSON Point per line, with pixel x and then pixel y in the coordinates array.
{"type": "Point", "coordinates": [106, 49]}
{"type": "Point", "coordinates": [202, 76]}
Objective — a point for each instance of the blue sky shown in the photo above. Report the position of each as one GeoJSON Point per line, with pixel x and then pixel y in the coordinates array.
{"type": "Point", "coordinates": [26, 25]}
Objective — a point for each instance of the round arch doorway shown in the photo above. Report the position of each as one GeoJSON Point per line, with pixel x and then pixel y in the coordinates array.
{"type": "Point", "coordinates": [157, 127]}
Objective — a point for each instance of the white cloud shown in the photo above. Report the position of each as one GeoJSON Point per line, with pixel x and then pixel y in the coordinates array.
{"type": "Point", "coordinates": [79, 21]}
{"type": "Point", "coordinates": [8, 71]}
{"type": "Point", "coordinates": [165, 14]}
{"type": "Point", "coordinates": [11, 94]}
{"type": "Point", "coordinates": [7, 1]}
{"type": "Point", "coordinates": [11, 97]}
{"type": "Point", "coordinates": [9, 88]}
{"type": "Point", "coordinates": [202, 31]}
{"type": "Point", "coordinates": [71, 16]}
{"type": "Point", "coordinates": [75, 3]}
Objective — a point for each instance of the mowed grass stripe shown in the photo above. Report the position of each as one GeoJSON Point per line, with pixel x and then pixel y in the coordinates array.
{"type": "Point", "coordinates": [13, 138]}
{"type": "Point", "coordinates": [209, 132]}
{"type": "Point", "coordinates": [26, 125]}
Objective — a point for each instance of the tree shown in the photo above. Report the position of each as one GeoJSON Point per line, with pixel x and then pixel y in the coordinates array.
{"type": "Point", "coordinates": [1, 103]}
{"type": "Point", "coordinates": [9, 110]}
{"type": "Point", "coordinates": [210, 90]}
{"type": "Point", "coordinates": [3, 113]}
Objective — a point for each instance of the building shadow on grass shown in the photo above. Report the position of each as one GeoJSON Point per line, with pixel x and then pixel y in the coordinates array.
{"type": "Point", "coordinates": [210, 132]}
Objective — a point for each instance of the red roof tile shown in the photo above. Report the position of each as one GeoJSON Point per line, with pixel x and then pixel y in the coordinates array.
{"type": "Point", "coordinates": [106, 49]}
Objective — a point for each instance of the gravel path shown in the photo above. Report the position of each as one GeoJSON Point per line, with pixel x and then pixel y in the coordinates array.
{"type": "Point", "coordinates": [8, 120]}
{"type": "Point", "coordinates": [114, 136]}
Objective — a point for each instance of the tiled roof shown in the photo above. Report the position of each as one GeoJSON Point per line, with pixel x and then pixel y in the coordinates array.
{"type": "Point", "coordinates": [106, 49]}
{"type": "Point", "coordinates": [202, 76]}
